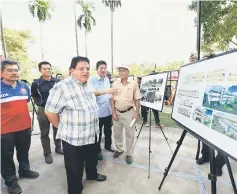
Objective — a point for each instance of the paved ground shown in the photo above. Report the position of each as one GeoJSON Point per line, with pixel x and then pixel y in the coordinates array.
{"type": "Point", "coordinates": [185, 176]}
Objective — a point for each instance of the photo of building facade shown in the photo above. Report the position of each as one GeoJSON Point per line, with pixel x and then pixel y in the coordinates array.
{"type": "Point", "coordinates": [221, 98]}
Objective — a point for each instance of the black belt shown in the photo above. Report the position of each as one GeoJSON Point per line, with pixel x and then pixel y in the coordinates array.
{"type": "Point", "coordinates": [123, 111]}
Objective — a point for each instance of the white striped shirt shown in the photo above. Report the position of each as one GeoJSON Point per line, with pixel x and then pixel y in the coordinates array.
{"type": "Point", "coordinates": [78, 112]}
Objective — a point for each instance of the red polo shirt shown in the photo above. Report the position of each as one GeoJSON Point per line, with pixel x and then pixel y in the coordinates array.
{"type": "Point", "coordinates": [14, 110]}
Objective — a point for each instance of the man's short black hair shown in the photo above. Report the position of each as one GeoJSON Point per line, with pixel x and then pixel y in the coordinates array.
{"type": "Point", "coordinates": [43, 63]}
{"type": "Point", "coordinates": [100, 63]}
{"type": "Point", "coordinates": [139, 78]}
{"type": "Point", "coordinates": [6, 62]}
{"type": "Point", "coordinates": [77, 59]}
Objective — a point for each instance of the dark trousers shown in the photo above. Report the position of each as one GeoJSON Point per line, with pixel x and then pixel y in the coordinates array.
{"type": "Point", "coordinates": [105, 122]}
{"type": "Point", "coordinates": [219, 160]}
{"type": "Point", "coordinates": [75, 157]}
{"type": "Point", "coordinates": [144, 112]}
{"type": "Point", "coordinates": [21, 140]}
{"type": "Point", "coordinates": [44, 125]}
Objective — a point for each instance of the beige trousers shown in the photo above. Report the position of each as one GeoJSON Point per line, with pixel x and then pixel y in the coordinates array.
{"type": "Point", "coordinates": [124, 120]}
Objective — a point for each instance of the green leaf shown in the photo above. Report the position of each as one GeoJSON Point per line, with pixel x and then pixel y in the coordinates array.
{"type": "Point", "coordinates": [219, 25]}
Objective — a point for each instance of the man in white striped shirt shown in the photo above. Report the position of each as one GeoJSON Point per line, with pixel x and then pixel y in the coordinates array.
{"type": "Point", "coordinates": [71, 106]}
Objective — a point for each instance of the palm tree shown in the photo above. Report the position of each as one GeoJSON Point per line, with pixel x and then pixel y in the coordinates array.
{"type": "Point", "coordinates": [41, 9]}
{"type": "Point", "coordinates": [86, 19]}
{"type": "Point", "coordinates": [2, 36]}
{"type": "Point", "coordinates": [112, 4]}
{"type": "Point", "coordinates": [75, 21]}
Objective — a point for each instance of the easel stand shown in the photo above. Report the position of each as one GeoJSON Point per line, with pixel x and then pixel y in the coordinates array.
{"type": "Point", "coordinates": [179, 143]}
{"type": "Point", "coordinates": [211, 175]}
{"type": "Point", "coordinates": [231, 174]}
{"type": "Point", "coordinates": [149, 166]}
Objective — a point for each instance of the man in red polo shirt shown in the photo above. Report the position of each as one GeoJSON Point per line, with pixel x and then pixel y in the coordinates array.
{"type": "Point", "coordinates": [15, 127]}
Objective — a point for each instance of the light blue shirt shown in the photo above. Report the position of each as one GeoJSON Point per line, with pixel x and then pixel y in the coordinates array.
{"type": "Point", "coordinates": [103, 101]}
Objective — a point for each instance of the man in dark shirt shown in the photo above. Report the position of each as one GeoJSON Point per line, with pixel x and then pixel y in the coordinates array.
{"type": "Point", "coordinates": [40, 91]}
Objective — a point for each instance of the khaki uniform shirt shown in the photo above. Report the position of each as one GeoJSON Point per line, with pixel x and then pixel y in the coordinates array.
{"type": "Point", "coordinates": [126, 94]}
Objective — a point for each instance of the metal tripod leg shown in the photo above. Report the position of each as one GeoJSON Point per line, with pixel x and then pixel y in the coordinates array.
{"type": "Point", "coordinates": [138, 136]}
{"type": "Point", "coordinates": [231, 174]}
{"type": "Point", "coordinates": [166, 139]}
{"type": "Point", "coordinates": [179, 143]}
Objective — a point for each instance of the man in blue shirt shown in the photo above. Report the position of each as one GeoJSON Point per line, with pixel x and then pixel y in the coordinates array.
{"type": "Point", "coordinates": [99, 82]}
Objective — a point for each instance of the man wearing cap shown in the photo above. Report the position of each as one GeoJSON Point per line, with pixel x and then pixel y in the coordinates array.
{"type": "Point", "coordinates": [128, 95]}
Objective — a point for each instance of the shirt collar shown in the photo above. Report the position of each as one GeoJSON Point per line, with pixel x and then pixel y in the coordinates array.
{"type": "Point", "coordinates": [128, 81]}
{"type": "Point", "coordinates": [3, 84]}
{"type": "Point", "coordinates": [77, 81]}
{"type": "Point", "coordinates": [41, 80]}
{"type": "Point", "coordinates": [100, 78]}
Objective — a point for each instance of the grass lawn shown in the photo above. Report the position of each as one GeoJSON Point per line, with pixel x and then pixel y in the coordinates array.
{"type": "Point", "coordinates": [165, 118]}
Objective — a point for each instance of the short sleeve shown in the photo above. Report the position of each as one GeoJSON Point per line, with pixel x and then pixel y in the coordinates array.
{"type": "Point", "coordinates": [56, 100]}
{"type": "Point", "coordinates": [28, 92]}
{"type": "Point", "coordinates": [113, 86]}
{"type": "Point", "coordinates": [137, 95]}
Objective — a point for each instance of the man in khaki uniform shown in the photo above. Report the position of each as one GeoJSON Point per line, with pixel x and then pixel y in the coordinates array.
{"type": "Point", "coordinates": [123, 101]}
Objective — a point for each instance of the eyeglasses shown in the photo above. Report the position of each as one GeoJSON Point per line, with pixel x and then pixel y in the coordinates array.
{"type": "Point", "coordinates": [12, 70]}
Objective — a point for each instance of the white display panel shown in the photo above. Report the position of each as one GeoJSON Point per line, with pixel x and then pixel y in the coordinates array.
{"type": "Point", "coordinates": [152, 90]}
{"type": "Point", "coordinates": [206, 101]}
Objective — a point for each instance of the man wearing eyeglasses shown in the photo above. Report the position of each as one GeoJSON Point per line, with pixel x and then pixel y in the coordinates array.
{"type": "Point", "coordinates": [40, 91]}
{"type": "Point", "coordinates": [15, 127]}
{"type": "Point", "coordinates": [100, 82]}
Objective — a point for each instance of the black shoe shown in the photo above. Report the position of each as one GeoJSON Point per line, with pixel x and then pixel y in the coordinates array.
{"type": "Point", "coordinates": [111, 149]}
{"type": "Point", "coordinates": [29, 174]}
{"type": "Point", "coordinates": [117, 154]}
{"type": "Point", "coordinates": [14, 188]}
{"type": "Point", "coordinates": [129, 159]}
{"type": "Point", "coordinates": [59, 151]}
{"type": "Point", "coordinates": [99, 178]}
{"type": "Point", "coordinates": [100, 157]}
{"type": "Point", "coordinates": [48, 159]}
{"type": "Point", "coordinates": [202, 160]}
{"type": "Point", "coordinates": [219, 172]}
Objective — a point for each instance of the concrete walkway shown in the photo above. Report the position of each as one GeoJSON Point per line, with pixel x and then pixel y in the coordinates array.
{"type": "Point", "coordinates": [185, 176]}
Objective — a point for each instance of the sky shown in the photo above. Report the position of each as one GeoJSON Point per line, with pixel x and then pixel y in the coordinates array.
{"type": "Point", "coordinates": [157, 31]}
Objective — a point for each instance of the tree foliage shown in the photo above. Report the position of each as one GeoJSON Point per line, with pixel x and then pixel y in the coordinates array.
{"type": "Point", "coordinates": [86, 19]}
{"type": "Point", "coordinates": [219, 24]}
{"type": "Point", "coordinates": [41, 9]}
{"type": "Point", "coordinates": [146, 68]}
{"type": "Point", "coordinates": [17, 50]}
{"type": "Point", "coordinates": [112, 4]}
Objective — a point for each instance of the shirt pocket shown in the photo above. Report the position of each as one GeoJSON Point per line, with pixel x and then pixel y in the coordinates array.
{"type": "Point", "coordinates": [128, 93]}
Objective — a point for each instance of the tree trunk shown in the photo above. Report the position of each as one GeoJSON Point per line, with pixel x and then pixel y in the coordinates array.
{"type": "Point", "coordinates": [3, 37]}
{"type": "Point", "coordinates": [85, 44]}
{"type": "Point", "coordinates": [75, 20]}
{"type": "Point", "coordinates": [41, 39]}
{"type": "Point", "coordinates": [112, 43]}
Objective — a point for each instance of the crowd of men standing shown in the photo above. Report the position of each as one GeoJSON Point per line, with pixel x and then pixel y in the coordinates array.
{"type": "Point", "coordinates": [79, 109]}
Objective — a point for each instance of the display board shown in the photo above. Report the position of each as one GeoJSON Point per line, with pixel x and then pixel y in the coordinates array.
{"type": "Point", "coordinates": [206, 101]}
{"type": "Point", "coordinates": [152, 90]}
{"type": "Point", "coordinates": [130, 77]}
